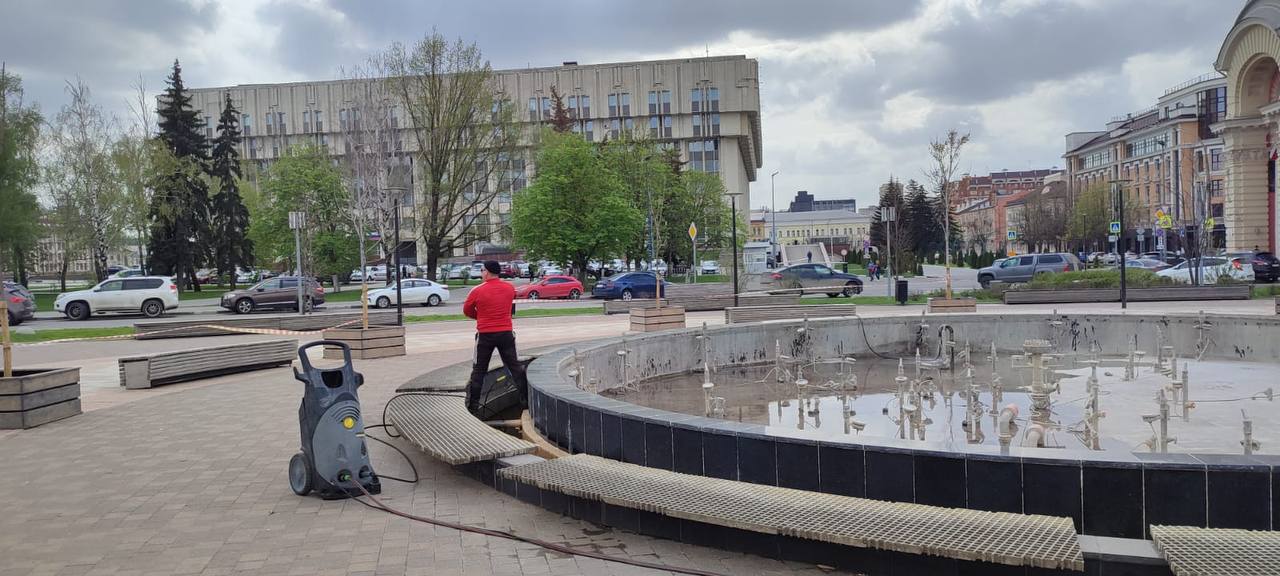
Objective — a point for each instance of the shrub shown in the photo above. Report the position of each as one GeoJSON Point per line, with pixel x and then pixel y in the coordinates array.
{"type": "Point", "coordinates": [1099, 278]}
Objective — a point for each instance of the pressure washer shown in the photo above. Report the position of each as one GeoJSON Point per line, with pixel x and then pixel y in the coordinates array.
{"type": "Point", "coordinates": [333, 452]}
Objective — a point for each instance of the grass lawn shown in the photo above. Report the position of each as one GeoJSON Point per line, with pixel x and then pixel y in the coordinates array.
{"type": "Point", "coordinates": [61, 333]}
{"type": "Point", "coordinates": [529, 313]}
{"type": "Point", "coordinates": [702, 279]}
{"type": "Point", "coordinates": [981, 295]}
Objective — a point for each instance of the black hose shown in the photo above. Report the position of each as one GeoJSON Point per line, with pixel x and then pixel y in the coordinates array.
{"type": "Point", "coordinates": [512, 536]}
{"type": "Point", "coordinates": [387, 428]}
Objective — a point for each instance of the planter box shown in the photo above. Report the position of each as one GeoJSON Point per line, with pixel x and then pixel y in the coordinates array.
{"type": "Point", "coordinates": [34, 397]}
{"type": "Point", "coordinates": [1162, 294]}
{"type": "Point", "coordinates": [657, 319]}
{"type": "Point", "coordinates": [375, 342]}
{"type": "Point", "coordinates": [943, 305]}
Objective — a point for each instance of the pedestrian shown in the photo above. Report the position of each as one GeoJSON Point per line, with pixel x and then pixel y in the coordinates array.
{"type": "Point", "coordinates": [491, 304]}
{"type": "Point", "coordinates": [871, 270]}
{"type": "Point", "coordinates": [809, 256]}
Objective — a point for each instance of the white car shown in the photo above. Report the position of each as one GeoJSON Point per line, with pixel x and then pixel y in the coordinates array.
{"type": "Point", "coordinates": [550, 270]}
{"type": "Point", "coordinates": [127, 273]}
{"type": "Point", "coordinates": [376, 274]}
{"type": "Point", "coordinates": [1212, 268]}
{"type": "Point", "coordinates": [710, 267]}
{"type": "Point", "coordinates": [150, 295]}
{"type": "Point", "coordinates": [414, 291]}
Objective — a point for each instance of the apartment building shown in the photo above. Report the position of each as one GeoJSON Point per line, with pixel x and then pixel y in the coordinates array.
{"type": "Point", "coordinates": [1168, 157]}
{"type": "Point", "coordinates": [707, 108]}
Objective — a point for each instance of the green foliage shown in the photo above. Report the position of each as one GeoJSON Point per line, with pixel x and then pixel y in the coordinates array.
{"type": "Point", "coordinates": [19, 209]}
{"type": "Point", "coordinates": [232, 247]}
{"type": "Point", "coordinates": [304, 180]}
{"type": "Point", "coordinates": [179, 210]}
{"type": "Point", "coordinates": [577, 209]}
{"type": "Point", "coordinates": [1099, 278]}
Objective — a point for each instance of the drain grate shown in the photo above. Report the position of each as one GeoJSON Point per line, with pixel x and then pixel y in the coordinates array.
{"type": "Point", "coordinates": [997, 537]}
{"type": "Point", "coordinates": [1218, 551]}
{"type": "Point", "coordinates": [442, 427]}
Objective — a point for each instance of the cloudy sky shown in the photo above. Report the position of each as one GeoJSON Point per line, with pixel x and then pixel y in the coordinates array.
{"type": "Point", "coordinates": [852, 90]}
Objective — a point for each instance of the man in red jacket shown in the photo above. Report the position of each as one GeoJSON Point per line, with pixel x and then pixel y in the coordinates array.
{"type": "Point", "coordinates": [491, 304]}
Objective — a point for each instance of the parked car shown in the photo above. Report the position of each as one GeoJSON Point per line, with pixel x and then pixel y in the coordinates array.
{"type": "Point", "coordinates": [551, 287]}
{"type": "Point", "coordinates": [1211, 268]}
{"type": "Point", "coordinates": [150, 295]}
{"type": "Point", "coordinates": [22, 305]}
{"type": "Point", "coordinates": [207, 276]}
{"type": "Point", "coordinates": [628, 285]}
{"type": "Point", "coordinates": [710, 267]}
{"type": "Point", "coordinates": [1024, 268]}
{"type": "Point", "coordinates": [278, 292]}
{"type": "Point", "coordinates": [508, 270]}
{"type": "Point", "coordinates": [1266, 267]}
{"type": "Point", "coordinates": [520, 267]}
{"type": "Point", "coordinates": [112, 269]}
{"type": "Point", "coordinates": [376, 273]}
{"type": "Point", "coordinates": [459, 272]}
{"type": "Point", "coordinates": [1152, 264]}
{"type": "Point", "coordinates": [127, 273]}
{"type": "Point", "coordinates": [812, 279]}
{"type": "Point", "coordinates": [550, 270]}
{"type": "Point", "coordinates": [246, 276]}
{"type": "Point", "coordinates": [413, 291]}
{"type": "Point", "coordinates": [613, 267]}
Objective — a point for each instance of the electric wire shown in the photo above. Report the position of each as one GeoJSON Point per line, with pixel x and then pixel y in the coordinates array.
{"type": "Point", "coordinates": [378, 505]}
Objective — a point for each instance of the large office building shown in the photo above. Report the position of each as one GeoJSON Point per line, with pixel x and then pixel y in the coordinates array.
{"type": "Point", "coordinates": [707, 108]}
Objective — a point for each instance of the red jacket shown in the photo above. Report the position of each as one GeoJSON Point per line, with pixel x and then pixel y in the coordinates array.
{"type": "Point", "coordinates": [491, 305]}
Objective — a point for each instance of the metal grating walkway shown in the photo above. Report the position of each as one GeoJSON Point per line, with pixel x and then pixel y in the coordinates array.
{"type": "Point", "coordinates": [1218, 551]}
{"type": "Point", "coordinates": [442, 427]}
{"type": "Point", "coordinates": [1003, 538]}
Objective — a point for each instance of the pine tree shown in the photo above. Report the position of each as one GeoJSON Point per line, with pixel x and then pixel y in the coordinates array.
{"type": "Point", "coordinates": [561, 120]}
{"type": "Point", "coordinates": [180, 204]}
{"type": "Point", "coordinates": [232, 247]}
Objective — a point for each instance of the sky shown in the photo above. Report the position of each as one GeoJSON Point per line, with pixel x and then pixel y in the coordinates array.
{"type": "Point", "coordinates": [852, 91]}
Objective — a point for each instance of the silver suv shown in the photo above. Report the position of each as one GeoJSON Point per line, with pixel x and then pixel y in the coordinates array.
{"type": "Point", "coordinates": [1024, 268]}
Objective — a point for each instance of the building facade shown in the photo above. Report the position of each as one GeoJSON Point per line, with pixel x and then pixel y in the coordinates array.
{"type": "Point", "coordinates": [981, 203]}
{"type": "Point", "coordinates": [805, 202]}
{"type": "Point", "coordinates": [1250, 126]}
{"type": "Point", "coordinates": [1168, 158]}
{"type": "Point", "coordinates": [707, 108]}
{"type": "Point", "coordinates": [838, 229]}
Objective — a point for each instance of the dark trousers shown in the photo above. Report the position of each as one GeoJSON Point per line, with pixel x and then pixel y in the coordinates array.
{"type": "Point", "coordinates": [505, 343]}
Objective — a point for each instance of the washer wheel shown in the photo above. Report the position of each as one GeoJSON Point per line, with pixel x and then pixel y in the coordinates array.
{"type": "Point", "coordinates": [300, 474]}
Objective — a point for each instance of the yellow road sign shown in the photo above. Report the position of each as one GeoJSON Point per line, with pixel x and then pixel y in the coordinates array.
{"type": "Point", "coordinates": [693, 231]}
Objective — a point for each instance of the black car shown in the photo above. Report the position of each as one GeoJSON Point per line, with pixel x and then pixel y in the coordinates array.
{"type": "Point", "coordinates": [1266, 267]}
{"type": "Point", "coordinates": [812, 279]}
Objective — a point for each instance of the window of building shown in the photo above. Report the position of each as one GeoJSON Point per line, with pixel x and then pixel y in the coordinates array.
{"type": "Point", "coordinates": [344, 120]}
{"type": "Point", "coordinates": [271, 125]}
{"type": "Point", "coordinates": [715, 124]}
{"type": "Point", "coordinates": [1146, 146]}
{"type": "Point", "coordinates": [585, 101]}
{"type": "Point", "coordinates": [588, 130]}
{"type": "Point", "coordinates": [615, 126]}
{"type": "Point", "coordinates": [306, 121]}
{"type": "Point", "coordinates": [695, 99]}
{"type": "Point", "coordinates": [208, 127]}
{"type": "Point", "coordinates": [319, 122]}
{"type": "Point", "coordinates": [1215, 159]}
{"type": "Point", "coordinates": [546, 107]}
{"type": "Point", "coordinates": [697, 125]}
{"type": "Point", "coordinates": [626, 103]}
{"type": "Point", "coordinates": [713, 99]}
{"type": "Point", "coordinates": [1097, 159]}
{"type": "Point", "coordinates": [280, 123]}
{"type": "Point", "coordinates": [653, 125]}
{"type": "Point", "coordinates": [1212, 104]}
{"type": "Point", "coordinates": [666, 126]}
{"type": "Point", "coordinates": [246, 125]}
{"type": "Point", "coordinates": [659, 102]}
{"type": "Point", "coordinates": [533, 109]}
{"type": "Point", "coordinates": [653, 102]}
{"type": "Point", "coordinates": [1215, 188]}
{"type": "Point", "coordinates": [613, 105]}
{"type": "Point", "coordinates": [572, 105]}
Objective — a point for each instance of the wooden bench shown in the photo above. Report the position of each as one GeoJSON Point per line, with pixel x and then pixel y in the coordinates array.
{"type": "Point", "coordinates": [148, 370]}
{"type": "Point", "coordinates": [1030, 541]}
{"type": "Point", "coordinates": [441, 426]}
{"type": "Point", "coordinates": [229, 324]}
{"type": "Point", "coordinates": [741, 314]}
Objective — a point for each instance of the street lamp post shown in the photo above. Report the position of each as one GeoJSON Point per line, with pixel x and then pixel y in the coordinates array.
{"type": "Point", "coordinates": [773, 213]}
{"type": "Point", "coordinates": [733, 200]}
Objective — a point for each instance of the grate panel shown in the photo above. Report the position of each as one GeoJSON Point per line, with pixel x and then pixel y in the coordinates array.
{"type": "Point", "coordinates": [442, 427]}
{"type": "Point", "coordinates": [1213, 551]}
{"type": "Point", "coordinates": [997, 537]}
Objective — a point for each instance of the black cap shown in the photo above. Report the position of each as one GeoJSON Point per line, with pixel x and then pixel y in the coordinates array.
{"type": "Point", "coordinates": [492, 266]}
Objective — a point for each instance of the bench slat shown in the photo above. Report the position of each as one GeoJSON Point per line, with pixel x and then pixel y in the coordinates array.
{"type": "Point", "coordinates": [168, 367]}
{"type": "Point", "coordinates": [442, 427]}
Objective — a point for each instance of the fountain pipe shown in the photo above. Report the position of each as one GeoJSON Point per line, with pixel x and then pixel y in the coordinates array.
{"type": "Point", "coordinates": [1005, 424]}
{"type": "Point", "coordinates": [1034, 437]}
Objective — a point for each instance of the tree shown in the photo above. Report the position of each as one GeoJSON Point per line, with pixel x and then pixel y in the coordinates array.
{"type": "Point", "coordinates": [465, 135]}
{"type": "Point", "coordinates": [945, 153]}
{"type": "Point", "coordinates": [1090, 215]}
{"type": "Point", "coordinates": [884, 233]}
{"type": "Point", "coordinates": [650, 180]}
{"type": "Point", "coordinates": [577, 209]}
{"type": "Point", "coordinates": [179, 210]}
{"type": "Point", "coordinates": [698, 198]}
{"type": "Point", "coordinates": [304, 180]}
{"type": "Point", "coordinates": [19, 172]}
{"type": "Point", "coordinates": [1042, 222]}
{"type": "Point", "coordinates": [561, 120]}
{"type": "Point", "coordinates": [83, 167]}
{"type": "Point", "coordinates": [232, 247]}
{"type": "Point", "coordinates": [132, 155]}
{"type": "Point", "coordinates": [374, 163]}
{"type": "Point", "coordinates": [921, 221]}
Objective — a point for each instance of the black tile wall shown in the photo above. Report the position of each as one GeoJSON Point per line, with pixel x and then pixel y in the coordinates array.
{"type": "Point", "coordinates": [529, 493]}
{"type": "Point", "coordinates": [555, 502]}
{"type": "Point", "coordinates": [577, 428]}
{"type": "Point", "coordinates": [686, 449]}
{"type": "Point", "coordinates": [611, 436]}
{"type": "Point", "coordinates": [890, 475]}
{"type": "Point", "coordinates": [701, 534]}
{"type": "Point", "coordinates": [1173, 495]}
{"type": "Point", "coordinates": [1237, 497]}
{"type": "Point", "coordinates": [921, 564]}
{"type": "Point", "coordinates": [657, 451]}
{"type": "Point", "coordinates": [757, 461]}
{"type": "Point", "coordinates": [632, 440]}
{"type": "Point", "coordinates": [939, 480]}
{"type": "Point", "coordinates": [809, 551]}
{"type": "Point", "coordinates": [563, 419]}
{"type": "Point", "coordinates": [658, 525]}
{"type": "Point", "coordinates": [1275, 497]}
{"type": "Point", "coordinates": [1052, 488]}
{"type": "Point", "coordinates": [720, 455]}
{"type": "Point", "coordinates": [622, 517]}
{"type": "Point", "coordinates": [797, 465]}
{"type": "Point", "coordinates": [986, 569]}
{"type": "Point", "coordinates": [841, 470]}
{"type": "Point", "coordinates": [993, 484]}
{"type": "Point", "coordinates": [592, 443]}
{"type": "Point", "coordinates": [1113, 499]}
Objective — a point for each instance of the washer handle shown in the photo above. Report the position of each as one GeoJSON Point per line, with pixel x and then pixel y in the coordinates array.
{"type": "Point", "coordinates": [306, 362]}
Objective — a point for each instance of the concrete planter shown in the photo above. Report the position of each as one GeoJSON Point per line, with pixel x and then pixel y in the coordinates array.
{"type": "Point", "coordinates": [1161, 294]}
{"type": "Point", "coordinates": [366, 344]}
{"type": "Point", "coordinates": [34, 397]}
{"type": "Point", "coordinates": [943, 305]}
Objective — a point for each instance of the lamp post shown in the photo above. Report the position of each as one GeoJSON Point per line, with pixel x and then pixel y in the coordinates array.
{"type": "Point", "coordinates": [773, 212]}
{"type": "Point", "coordinates": [1117, 188]}
{"type": "Point", "coordinates": [395, 250]}
{"type": "Point", "coordinates": [733, 200]}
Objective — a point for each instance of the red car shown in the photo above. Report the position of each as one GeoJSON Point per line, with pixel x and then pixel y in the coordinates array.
{"type": "Point", "coordinates": [551, 287]}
